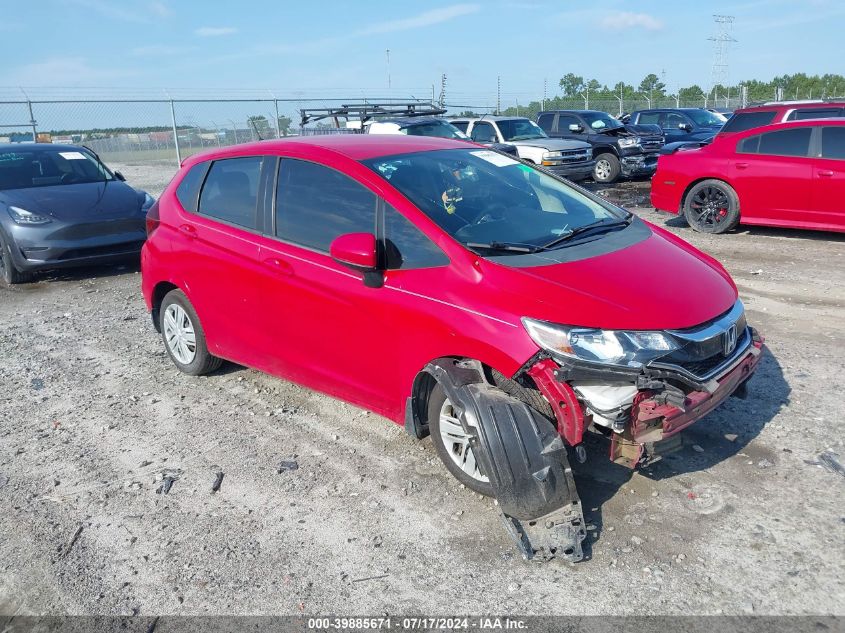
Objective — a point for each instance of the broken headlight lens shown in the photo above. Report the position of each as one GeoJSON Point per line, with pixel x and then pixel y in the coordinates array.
{"type": "Point", "coordinates": [632, 348]}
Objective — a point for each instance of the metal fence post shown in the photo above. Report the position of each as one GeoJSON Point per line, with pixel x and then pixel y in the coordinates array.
{"type": "Point", "coordinates": [278, 125]}
{"type": "Point", "coordinates": [175, 133]}
{"type": "Point", "coordinates": [32, 122]}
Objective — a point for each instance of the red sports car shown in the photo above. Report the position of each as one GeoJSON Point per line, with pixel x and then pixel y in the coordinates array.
{"type": "Point", "coordinates": [454, 290]}
{"type": "Point", "coordinates": [787, 174]}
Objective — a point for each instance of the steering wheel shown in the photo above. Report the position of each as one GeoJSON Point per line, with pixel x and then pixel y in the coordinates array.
{"type": "Point", "coordinates": [492, 211]}
{"type": "Point", "coordinates": [67, 178]}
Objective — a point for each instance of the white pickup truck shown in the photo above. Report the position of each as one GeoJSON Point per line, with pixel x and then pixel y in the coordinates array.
{"type": "Point", "coordinates": [570, 159]}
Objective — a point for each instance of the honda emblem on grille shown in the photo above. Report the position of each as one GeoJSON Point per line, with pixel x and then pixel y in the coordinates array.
{"type": "Point", "coordinates": [730, 340]}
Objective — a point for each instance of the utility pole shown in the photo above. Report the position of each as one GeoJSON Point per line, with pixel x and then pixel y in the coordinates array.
{"type": "Point", "coordinates": [545, 87]}
{"type": "Point", "coordinates": [388, 68]}
{"type": "Point", "coordinates": [443, 90]}
{"type": "Point", "coordinates": [722, 41]}
{"type": "Point", "coordinates": [498, 94]}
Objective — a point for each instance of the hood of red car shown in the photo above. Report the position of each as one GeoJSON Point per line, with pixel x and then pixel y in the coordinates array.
{"type": "Point", "coordinates": [658, 283]}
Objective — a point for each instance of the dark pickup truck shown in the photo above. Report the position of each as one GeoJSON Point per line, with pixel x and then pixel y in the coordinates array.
{"type": "Point", "coordinates": [618, 149]}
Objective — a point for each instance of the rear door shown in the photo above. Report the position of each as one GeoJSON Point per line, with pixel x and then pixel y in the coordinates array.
{"type": "Point", "coordinates": [772, 174]}
{"type": "Point", "coordinates": [828, 206]}
{"type": "Point", "coordinates": [220, 255]}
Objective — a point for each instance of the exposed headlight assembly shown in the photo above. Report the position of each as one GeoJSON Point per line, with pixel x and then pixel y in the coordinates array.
{"type": "Point", "coordinates": [629, 141]}
{"type": "Point", "coordinates": [552, 155]}
{"type": "Point", "coordinates": [27, 218]}
{"type": "Point", "coordinates": [632, 348]}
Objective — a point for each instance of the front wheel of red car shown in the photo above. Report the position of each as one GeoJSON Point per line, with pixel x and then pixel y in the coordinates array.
{"type": "Point", "coordinates": [712, 206]}
{"type": "Point", "coordinates": [453, 445]}
{"type": "Point", "coordinates": [183, 336]}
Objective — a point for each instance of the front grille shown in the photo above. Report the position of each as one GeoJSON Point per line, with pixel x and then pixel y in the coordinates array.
{"type": "Point", "coordinates": [572, 156]}
{"type": "Point", "coordinates": [652, 143]}
{"type": "Point", "coordinates": [86, 230]}
{"type": "Point", "coordinates": [702, 351]}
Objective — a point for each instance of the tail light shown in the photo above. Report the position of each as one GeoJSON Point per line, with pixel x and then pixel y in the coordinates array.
{"type": "Point", "coordinates": [152, 220]}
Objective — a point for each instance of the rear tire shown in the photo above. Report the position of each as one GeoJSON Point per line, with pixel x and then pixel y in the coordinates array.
{"type": "Point", "coordinates": [8, 272]}
{"type": "Point", "coordinates": [183, 336]}
{"type": "Point", "coordinates": [453, 446]}
{"type": "Point", "coordinates": [607, 168]}
{"type": "Point", "coordinates": [712, 206]}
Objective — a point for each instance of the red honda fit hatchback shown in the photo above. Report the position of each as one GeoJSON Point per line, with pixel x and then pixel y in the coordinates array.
{"type": "Point", "coordinates": [451, 289]}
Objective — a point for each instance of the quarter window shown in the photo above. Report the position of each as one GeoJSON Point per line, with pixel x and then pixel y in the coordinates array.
{"type": "Point", "coordinates": [188, 190]}
{"type": "Point", "coordinates": [231, 190]}
{"type": "Point", "coordinates": [833, 142]}
{"type": "Point", "coordinates": [813, 113]}
{"type": "Point", "coordinates": [406, 246]}
{"type": "Point", "coordinates": [792, 142]}
{"type": "Point", "coordinates": [316, 204]}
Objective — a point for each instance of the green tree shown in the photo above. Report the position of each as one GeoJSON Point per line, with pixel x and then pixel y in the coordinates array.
{"type": "Point", "coordinates": [284, 125]}
{"type": "Point", "coordinates": [652, 86]}
{"type": "Point", "coordinates": [260, 125]}
{"type": "Point", "coordinates": [571, 85]}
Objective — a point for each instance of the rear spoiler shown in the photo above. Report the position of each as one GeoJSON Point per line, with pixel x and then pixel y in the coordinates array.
{"type": "Point", "coordinates": [671, 148]}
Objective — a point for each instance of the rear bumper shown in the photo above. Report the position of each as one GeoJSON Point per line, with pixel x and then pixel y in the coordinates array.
{"type": "Point", "coordinates": [664, 197]}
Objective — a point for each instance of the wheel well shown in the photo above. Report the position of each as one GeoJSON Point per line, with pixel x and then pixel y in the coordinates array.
{"type": "Point", "coordinates": [693, 184]}
{"type": "Point", "coordinates": [159, 292]}
{"type": "Point", "coordinates": [605, 149]}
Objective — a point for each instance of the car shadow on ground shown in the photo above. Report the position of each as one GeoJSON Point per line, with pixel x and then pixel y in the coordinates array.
{"type": "Point", "coordinates": [719, 436]}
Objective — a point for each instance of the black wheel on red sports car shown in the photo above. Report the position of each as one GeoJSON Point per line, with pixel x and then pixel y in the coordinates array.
{"type": "Point", "coordinates": [712, 206]}
{"type": "Point", "coordinates": [454, 445]}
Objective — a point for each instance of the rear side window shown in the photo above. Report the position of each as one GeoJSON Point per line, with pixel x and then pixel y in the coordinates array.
{"type": "Point", "coordinates": [749, 145]}
{"type": "Point", "coordinates": [813, 113]}
{"type": "Point", "coordinates": [546, 121]}
{"type": "Point", "coordinates": [646, 118]}
{"type": "Point", "coordinates": [742, 121]}
{"type": "Point", "coordinates": [406, 246]}
{"type": "Point", "coordinates": [794, 142]}
{"type": "Point", "coordinates": [461, 125]}
{"type": "Point", "coordinates": [833, 142]}
{"type": "Point", "coordinates": [188, 191]}
{"type": "Point", "coordinates": [231, 190]}
{"type": "Point", "coordinates": [483, 133]}
{"type": "Point", "coordinates": [316, 204]}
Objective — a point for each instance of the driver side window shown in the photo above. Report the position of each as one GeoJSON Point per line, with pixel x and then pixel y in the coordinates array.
{"type": "Point", "coordinates": [406, 246]}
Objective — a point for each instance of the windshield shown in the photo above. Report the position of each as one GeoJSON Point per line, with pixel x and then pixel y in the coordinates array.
{"type": "Point", "coordinates": [600, 121]}
{"type": "Point", "coordinates": [705, 118]}
{"type": "Point", "coordinates": [520, 130]}
{"type": "Point", "coordinates": [435, 128]}
{"type": "Point", "coordinates": [31, 166]}
{"type": "Point", "coordinates": [483, 197]}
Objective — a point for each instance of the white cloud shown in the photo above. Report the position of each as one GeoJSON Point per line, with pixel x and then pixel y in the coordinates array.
{"type": "Point", "coordinates": [160, 50]}
{"type": "Point", "coordinates": [64, 71]}
{"type": "Point", "coordinates": [427, 18]}
{"type": "Point", "coordinates": [215, 31]}
{"type": "Point", "coordinates": [621, 20]}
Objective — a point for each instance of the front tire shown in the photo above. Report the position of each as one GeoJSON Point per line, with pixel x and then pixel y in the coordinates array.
{"type": "Point", "coordinates": [183, 336]}
{"type": "Point", "coordinates": [607, 168]}
{"type": "Point", "coordinates": [712, 206]}
{"type": "Point", "coordinates": [8, 272]}
{"type": "Point", "coordinates": [452, 444]}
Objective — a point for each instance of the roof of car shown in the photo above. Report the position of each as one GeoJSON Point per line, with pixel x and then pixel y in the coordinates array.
{"type": "Point", "coordinates": [667, 110]}
{"type": "Point", "coordinates": [791, 105]}
{"type": "Point", "coordinates": [771, 127]}
{"type": "Point", "coordinates": [354, 146]}
{"type": "Point", "coordinates": [492, 117]}
{"type": "Point", "coordinates": [573, 111]}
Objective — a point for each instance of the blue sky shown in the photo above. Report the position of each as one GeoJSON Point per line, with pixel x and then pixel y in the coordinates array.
{"type": "Point", "coordinates": [330, 47]}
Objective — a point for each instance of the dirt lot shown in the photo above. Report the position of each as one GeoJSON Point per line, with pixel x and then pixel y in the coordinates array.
{"type": "Point", "coordinates": [93, 415]}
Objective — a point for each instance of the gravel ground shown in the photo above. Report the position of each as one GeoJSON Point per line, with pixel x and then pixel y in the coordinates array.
{"type": "Point", "coordinates": [93, 416]}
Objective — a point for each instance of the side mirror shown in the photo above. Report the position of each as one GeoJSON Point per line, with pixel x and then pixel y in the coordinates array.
{"type": "Point", "coordinates": [358, 252]}
{"type": "Point", "coordinates": [686, 127]}
{"type": "Point", "coordinates": [574, 127]}
{"type": "Point", "coordinates": [120, 176]}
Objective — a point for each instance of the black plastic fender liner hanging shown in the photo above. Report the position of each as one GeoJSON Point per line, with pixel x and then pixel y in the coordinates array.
{"type": "Point", "coordinates": [523, 456]}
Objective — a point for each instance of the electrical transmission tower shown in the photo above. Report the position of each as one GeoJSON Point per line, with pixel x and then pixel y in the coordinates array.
{"type": "Point", "coordinates": [722, 41]}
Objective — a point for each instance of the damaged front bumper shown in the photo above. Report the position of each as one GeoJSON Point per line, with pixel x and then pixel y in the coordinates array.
{"type": "Point", "coordinates": [639, 409]}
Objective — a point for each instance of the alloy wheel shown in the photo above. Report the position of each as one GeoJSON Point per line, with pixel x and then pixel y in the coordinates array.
{"type": "Point", "coordinates": [456, 441]}
{"type": "Point", "coordinates": [602, 169]}
{"type": "Point", "coordinates": [710, 207]}
{"type": "Point", "coordinates": [179, 334]}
